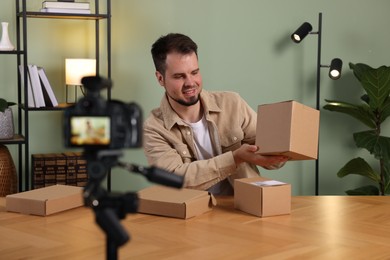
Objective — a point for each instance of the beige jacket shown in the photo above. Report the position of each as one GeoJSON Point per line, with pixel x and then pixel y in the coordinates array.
{"type": "Point", "coordinates": [168, 142]}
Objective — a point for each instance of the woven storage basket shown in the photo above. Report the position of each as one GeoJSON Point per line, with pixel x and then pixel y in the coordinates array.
{"type": "Point", "coordinates": [8, 178]}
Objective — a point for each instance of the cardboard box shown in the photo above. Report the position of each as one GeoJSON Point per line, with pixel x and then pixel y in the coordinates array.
{"type": "Point", "coordinates": [262, 197]}
{"type": "Point", "coordinates": [177, 203]}
{"type": "Point", "coordinates": [288, 128]}
{"type": "Point", "coordinates": [45, 201]}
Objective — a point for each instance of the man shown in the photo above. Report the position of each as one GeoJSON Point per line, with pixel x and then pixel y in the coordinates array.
{"type": "Point", "coordinates": [206, 136]}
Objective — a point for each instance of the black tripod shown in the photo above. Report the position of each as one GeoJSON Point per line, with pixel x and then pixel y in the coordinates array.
{"type": "Point", "coordinates": [110, 208]}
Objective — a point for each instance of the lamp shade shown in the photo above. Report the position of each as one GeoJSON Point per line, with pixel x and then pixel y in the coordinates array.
{"type": "Point", "coordinates": [301, 32]}
{"type": "Point", "coordinates": [335, 68]}
{"type": "Point", "coordinates": [76, 69]}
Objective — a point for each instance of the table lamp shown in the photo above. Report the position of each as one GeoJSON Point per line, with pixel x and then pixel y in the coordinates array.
{"type": "Point", "coordinates": [75, 70]}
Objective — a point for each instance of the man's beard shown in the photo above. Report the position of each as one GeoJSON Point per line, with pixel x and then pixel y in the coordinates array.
{"type": "Point", "coordinates": [193, 100]}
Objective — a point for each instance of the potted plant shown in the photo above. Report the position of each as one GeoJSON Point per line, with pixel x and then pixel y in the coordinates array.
{"type": "Point", "coordinates": [6, 119]}
{"type": "Point", "coordinates": [372, 111]}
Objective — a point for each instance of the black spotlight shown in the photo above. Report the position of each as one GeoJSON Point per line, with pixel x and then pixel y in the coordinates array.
{"type": "Point", "coordinates": [301, 32]}
{"type": "Point", "coordinates": [335, 68]}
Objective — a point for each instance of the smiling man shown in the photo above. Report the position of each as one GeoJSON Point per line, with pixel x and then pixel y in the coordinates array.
{"type": "Point", "coordinates": [207, 136]}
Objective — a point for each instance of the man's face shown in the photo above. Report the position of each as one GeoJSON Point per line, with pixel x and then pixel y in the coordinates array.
{"type": "Point", "coordinates": [182, 80]}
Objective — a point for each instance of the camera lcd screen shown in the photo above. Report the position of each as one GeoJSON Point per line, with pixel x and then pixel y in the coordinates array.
{"type": "Point", "coordinates": [90, 131]}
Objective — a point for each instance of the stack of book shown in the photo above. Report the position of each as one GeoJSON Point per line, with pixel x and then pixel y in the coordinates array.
{"type": "Point", "coordinates": [39, 90]}
{"type": "Point", "coordinates": [66, 7]}
{"type": "Point", "coordinates": [69, 168]}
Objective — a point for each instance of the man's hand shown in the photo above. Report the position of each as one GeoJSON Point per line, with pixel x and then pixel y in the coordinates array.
{"type": "Point", "coordinates": [247, 153]}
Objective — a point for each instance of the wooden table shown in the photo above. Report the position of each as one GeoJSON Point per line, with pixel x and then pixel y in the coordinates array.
{"type": "Point", "coordinates": [319, 227]}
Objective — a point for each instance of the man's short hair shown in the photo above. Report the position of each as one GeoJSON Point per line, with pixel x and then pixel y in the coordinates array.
{"type": "Point", "coordinates": [172, 42]}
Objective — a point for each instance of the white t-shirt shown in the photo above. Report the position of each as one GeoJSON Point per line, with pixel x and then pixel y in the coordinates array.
{"type": "Point", "coordinates": [205, 151]}
{"type": "Point", "coordinates": [202, 139]}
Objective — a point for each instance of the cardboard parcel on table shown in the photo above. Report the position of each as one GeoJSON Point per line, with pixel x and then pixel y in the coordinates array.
{"type": "Point", "coordinates": [178, 203]}
{"type": "Point", "coordinates": [262, 197]}
{"type": "Point", "coordinates": [288, 128]}
{"type": "Point", "coordinates": [45, 201]}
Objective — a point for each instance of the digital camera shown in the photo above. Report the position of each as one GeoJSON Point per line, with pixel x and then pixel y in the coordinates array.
{"type": "Point", "coordinates": [96, 123]}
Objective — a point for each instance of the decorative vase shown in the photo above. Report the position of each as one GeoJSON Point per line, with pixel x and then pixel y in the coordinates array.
{"type": "Point", "coordinates": [5, 43]}
{"type": "Point", "coordinates": [8, 178]}
{"type": "Point", "coordinates": [6, 124]}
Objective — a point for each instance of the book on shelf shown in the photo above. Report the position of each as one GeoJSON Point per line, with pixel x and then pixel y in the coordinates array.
{"type": "Point", "coordinates": [71, 161]}
{"type": "Point", "coordinates": [81, 169]}
{"type": "Point", "coordinates": [60, 169]}
{"type": "Point", "coordinates": [66, 5]}
{"type": "Point", "coordinates": [49, 169]}
{"type": "Point", "coordinates": [48, 94]}
{"type": "Point", "coordinates": [66, 10]}
{"type": "Point", "coordinates": [39, 90]}
{"type": "Point", "coordinates": [30, 97]}
{"type": "Point", "coordinates": [67, 168]}
{"type": "Point", "coordinates": [36, 86]}
{"type": "Point", "coordinates": [37, 165]}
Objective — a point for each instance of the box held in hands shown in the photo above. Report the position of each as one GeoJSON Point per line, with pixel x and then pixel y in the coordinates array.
{"type": "Point", "coordinates": [45, 201]}
{"type": "Point", "coordinates": [262, 197]}
{"type": "Point", "coordinates": [177, 203]}
{"type": "Point", "coordinates": [288, 128]}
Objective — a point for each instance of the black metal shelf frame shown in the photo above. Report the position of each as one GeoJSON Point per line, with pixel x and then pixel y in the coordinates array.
{"type": "Point", "coordinates": [22, 15]}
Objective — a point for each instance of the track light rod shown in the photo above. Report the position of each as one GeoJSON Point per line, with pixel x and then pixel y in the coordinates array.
{"type": "Point", "coordinates": [334, 71]}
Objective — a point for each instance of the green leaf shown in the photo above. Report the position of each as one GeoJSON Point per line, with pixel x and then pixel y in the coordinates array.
{"type": "Point", "coordinates": [358, 166]}
{"type": "Point", "coordinates": [376, 82]}
{"type": "Point", "coordinates": [385, 113]}
{"type": "Point", "coordinates": [3, 104]}
{"type": "Point", "coordinates": [386, 176]}
{"type": "Point", "coordinates": [364, 190]}
{"type": "Point", "coordinates": [365, 98]}
{"type": "Point", "coordinates": [359, 69]}
{"type": "Point", "coordinates": [359, 112]}
{"type": "Point", "coordinates": [379, 146]}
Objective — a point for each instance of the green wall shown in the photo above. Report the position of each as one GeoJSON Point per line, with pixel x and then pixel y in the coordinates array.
{"type": "Point", "coordinates": [244, 46]}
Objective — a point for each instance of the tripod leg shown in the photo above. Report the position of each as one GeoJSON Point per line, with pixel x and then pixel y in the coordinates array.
{"type": "Point", "coordinates": [111, 250]}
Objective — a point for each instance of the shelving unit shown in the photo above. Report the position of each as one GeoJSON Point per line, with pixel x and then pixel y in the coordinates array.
{"type": "Point", "coordinates": [22, 137]}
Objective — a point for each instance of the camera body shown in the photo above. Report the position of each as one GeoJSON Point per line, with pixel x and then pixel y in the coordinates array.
{"type": "Point", "coordinates": [96, 123]}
